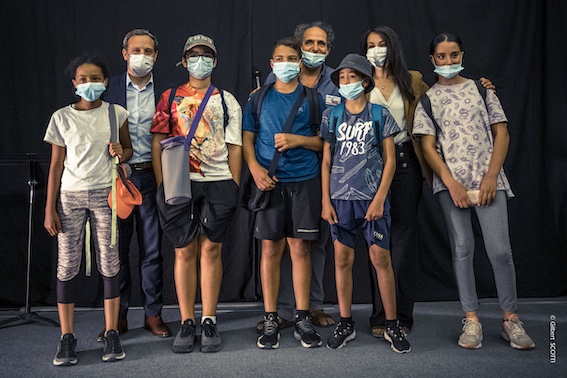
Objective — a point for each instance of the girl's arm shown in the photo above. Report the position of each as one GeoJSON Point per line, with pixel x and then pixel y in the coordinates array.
{"type": "Point", "coordinates": [51, 221]}
{"type": "Point", "coordinates": [123, 149]}
{"type": "Point", "coordinates": [500, 150]}
{"type": "Point", "coordinates": [457, 190]}
{"type": "Point", "coordinates": [328, 213]}
{"type": "Point", "coordinates": [376, 209]}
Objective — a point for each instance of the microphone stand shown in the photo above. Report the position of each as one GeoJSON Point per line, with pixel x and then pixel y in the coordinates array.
{"type": "Point", "coordinates": [28, 316]}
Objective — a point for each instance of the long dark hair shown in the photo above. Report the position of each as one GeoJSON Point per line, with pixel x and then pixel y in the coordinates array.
{"type": "Point", "coordinates": [395, 64]}
{"type": "Point", "coordinates": [444, 37]}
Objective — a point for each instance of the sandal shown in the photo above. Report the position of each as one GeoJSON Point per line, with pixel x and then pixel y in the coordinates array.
{"type": "Point", "coordinates": [322, 319]}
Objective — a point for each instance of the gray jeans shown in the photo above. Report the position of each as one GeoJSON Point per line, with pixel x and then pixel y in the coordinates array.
{"type": "Point", "coordinates": [493, 221]}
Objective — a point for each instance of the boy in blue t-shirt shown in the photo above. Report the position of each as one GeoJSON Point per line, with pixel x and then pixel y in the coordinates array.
{"type": "Point", "coordinates": [355, 180]}
{"type": "Point", "coordinates": [292, 215]}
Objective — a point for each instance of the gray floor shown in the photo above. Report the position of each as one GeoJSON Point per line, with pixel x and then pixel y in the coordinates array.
{"type": "Point", "coordinates": [27, 350]}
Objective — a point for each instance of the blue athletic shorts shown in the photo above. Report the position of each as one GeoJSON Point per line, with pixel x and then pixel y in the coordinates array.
{"type": "Point", "coordinates": [351, 217]}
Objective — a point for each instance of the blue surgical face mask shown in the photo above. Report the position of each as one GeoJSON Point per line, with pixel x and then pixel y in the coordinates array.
{"type": "Point", "coordinates": [377, 55]}
{"type": "Point", "coordinates": [286, 71]}
{"type": "Point", "coordinates": [352, 90]}
{"type": "Point", "coordinates": [449, 71]}
{"type": "Point", "coordinates": [200, 69]}
{"type": "Point", "coordinates": [313, 60]}
{"type": "Point", "coordinates": [90, 91]}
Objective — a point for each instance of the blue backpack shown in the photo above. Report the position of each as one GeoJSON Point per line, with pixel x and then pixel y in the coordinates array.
{"type": "Point", "coordinates": [377, 124]}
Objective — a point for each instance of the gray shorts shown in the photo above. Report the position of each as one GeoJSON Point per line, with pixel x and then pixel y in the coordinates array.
{"type": "Point", "coordinates": [73, 208]}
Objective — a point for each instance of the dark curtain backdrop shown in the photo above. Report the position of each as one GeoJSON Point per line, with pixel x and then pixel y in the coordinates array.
{"type": "Point", "coordinates": [519, 45]}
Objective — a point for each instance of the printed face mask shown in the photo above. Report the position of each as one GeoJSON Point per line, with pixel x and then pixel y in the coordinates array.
{"type": "Point", "coordinates": [286, 71]}
{"type": "Point", "coordinates": [90, 91]}
{"type": "Point", "coordinates": [377, 55]}
{"type": "Point", "coordinates": [352, 90]}
{"type": "Point", "coordinates": [200, 69]}
{"type": "Point", "coordinates": [448, 71]}
{"type": "Point", "coordinates": [313, 60]}
{"type": "Point", "coordinates": [141, 65]}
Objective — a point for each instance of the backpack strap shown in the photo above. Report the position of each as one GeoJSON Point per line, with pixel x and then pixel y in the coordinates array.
{"type": "Point", "coordinates": [224, 108]}
{"type": "Point", "coordinates": [378, 125]}
{"type": "Point", "coordinates": [112, 119]}
{"type": "Point", "coordinates": [426, 103]}
{"type": "Point", "coordinates": [257, 100]}
{"type": "Point", "coordinates": [172, 92]}
{"type": "Point", "coordinates": [314, 109]}
{"type": "Point", "coordinates": [336, 115]}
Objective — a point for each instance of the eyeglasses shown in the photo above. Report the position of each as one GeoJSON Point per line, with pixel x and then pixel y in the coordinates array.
{"type": "Point", "coordinates": [193, 57]}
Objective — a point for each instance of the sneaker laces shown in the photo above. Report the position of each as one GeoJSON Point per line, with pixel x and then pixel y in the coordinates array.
{"type": "Point", "coordinates": [270, 325]}
{"type": "Point", "coordinates": [515, 326]}
{"type": "Point", "coordinates": [342, 329]}
{"type": "Point", "coordinates": [305, 324]}
{"type": "Point", "coordinates": [186, 328]}
{"type": "Point", "coordinates": [208, 328]}
{"type": "Point", "coordinates": [471, 327]}
{"type": "Point", "coordinates": [66, 346]}
{"type": "Point", "coordinates": [395, 332]}
{"type": "Point", "coordinates": [111, 342]}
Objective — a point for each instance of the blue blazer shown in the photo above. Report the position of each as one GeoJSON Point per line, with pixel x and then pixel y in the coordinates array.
{"type": "Point", "coordinates": [116, 91]}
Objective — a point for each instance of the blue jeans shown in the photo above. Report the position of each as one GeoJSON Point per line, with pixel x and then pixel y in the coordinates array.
{"type": "Point", "coordinates": [145, 219]}
{"type": "Point", "coordinates": [493, 222]}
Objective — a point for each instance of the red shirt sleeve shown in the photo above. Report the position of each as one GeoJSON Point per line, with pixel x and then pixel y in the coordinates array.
{"type": "Point", "coordinates": [160, 122]}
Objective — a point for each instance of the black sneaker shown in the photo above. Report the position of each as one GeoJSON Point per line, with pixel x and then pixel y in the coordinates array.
{"type": "Point", "coordinates": [344, 333]}
{"type": "Point", "coordinates": [66, 355]}
{"type": "Point", "coordinates": [185, 338]}
{"type": "Point", "coordinates": [270, 338]}
{"type": "Point", "coordinates": [210, 338]}
{"type": "Point", "coordinates": [112, 348]}
{"type": "Point", "coordinates": [397, 339]}
{"type": "Point", "coordinates": [305, 332]}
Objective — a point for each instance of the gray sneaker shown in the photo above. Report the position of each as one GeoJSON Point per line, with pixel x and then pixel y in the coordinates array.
{"type": "Point", "coordinates": [210, 338]}
{"type": "Point", "coordinates": [185, 338]}
{"type": "Point", "coordinates": [513, 331]}
{"type": "Point", "coordinates": [471, 337]}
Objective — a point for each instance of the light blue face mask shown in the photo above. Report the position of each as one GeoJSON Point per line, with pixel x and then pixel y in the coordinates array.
{"type": "Point", "coordinates": [352, 90]}
{"type": "Point", "coordinates": [313, 60]}
{"type": "Point", "coordinates": [286, 71]}
{"type": "Point", "coordinates": [450, 71]}
{"type": "Point", "coordinates": [90, 91]}
{"type": "Point", "coordinates": [200, 69]}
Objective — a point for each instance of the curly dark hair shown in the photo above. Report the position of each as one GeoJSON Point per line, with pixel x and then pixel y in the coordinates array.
{"type": "Point", "coordinates": [87, 58]}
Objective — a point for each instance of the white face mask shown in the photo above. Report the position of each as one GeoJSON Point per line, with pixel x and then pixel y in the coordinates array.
{"type": "Point", "coordinates": [377, 55]}
{"type": "Point", "coordinates": [141, 65]}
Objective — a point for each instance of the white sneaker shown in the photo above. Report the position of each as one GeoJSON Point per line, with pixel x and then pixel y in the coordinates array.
{"type": "Point", "coordinates": [471, 338]}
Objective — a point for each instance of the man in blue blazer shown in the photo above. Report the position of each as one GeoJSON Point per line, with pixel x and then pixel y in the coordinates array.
{"type": "Point", "coordinates": [138, 90]}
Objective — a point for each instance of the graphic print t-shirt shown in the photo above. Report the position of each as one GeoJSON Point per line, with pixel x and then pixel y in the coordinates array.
{"type": "Point", "coordinates": [209, 153]}
{"type": "Point", "coordinates": [356, 169]}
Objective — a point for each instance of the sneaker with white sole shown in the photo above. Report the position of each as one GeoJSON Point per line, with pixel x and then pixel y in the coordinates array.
{"type": "Point", "coordinates": [343, 333]}
{"type": "Point", "coordinates": [471, 338]}
{"type": "Point", "coordinates": [397, 339]}
{"type": "Point", "coordinates": [112, 347]}
{"type": "Point", "coordinates": [305, 333]}
{"type": "Point", "coordinates": [66, 355]}
{"type": "Point", "coordinates": [513, 332]}
{"type": "Point", "coordinates": [270, 337]}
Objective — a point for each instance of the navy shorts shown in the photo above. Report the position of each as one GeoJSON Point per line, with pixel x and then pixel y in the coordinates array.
{"type": "Point", "coordinates": [209, 213]}
{"type": "Point", "coordinates": [351, 217]}
{"type": "Point", "coordinates": [294, 210]}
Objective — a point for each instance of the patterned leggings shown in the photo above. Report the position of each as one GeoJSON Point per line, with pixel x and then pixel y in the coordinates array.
{"type": "Point", "coordinates": [73, 208]}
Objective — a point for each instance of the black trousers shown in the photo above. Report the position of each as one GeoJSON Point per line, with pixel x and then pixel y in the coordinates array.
{"type": "Point", "coordinates": [405, 193]}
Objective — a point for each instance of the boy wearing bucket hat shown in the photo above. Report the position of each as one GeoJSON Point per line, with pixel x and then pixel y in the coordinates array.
{"type": "Point", "coordinates": [197, 229]}
{"type": "Point", "coordinates": [356, 172]}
